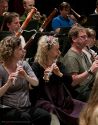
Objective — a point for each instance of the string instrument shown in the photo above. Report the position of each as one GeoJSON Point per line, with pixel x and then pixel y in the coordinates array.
{"type": "Point", "coordinates": [43, 26]}
{"type": "Point", "coordinates": [27, 20]}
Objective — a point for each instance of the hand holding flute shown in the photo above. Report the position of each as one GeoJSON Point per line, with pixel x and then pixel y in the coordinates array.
{"type": "Point", "coordinates": [53, 69]}
{"type": "Point", "coordinates": [18, 69]}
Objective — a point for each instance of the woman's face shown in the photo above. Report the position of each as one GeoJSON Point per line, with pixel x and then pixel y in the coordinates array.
{"type": "Point", "coordinates": [91, 41]}
{"type": "Point", "coordinates": [14, 25]}
{"type": "Point", "coordinates": [19, 53]}
{"type": "Point", "coordinates": [54, 52]}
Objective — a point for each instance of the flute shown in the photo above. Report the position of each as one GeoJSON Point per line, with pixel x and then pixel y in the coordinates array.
{"type": "Point", "coordinates": [19, 64]}
{"type": "Point", "coordinates": [47, 76]}
{"type": "Point", "coordinates": [92, 56]}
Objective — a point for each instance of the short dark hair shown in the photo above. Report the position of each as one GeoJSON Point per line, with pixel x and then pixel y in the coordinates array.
{"type": "Point", "coordinates": [64, 5]}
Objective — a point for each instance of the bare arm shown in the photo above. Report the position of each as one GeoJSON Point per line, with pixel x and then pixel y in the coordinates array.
{"type": "Point", "coordinates": [78, 78]}
{"type": "Point", "coordinates": [5, 86]}
{"type": "Point", "coordinates": [31, 79]}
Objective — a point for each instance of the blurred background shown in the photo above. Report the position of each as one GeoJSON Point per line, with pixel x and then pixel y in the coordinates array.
{"type": "Point", "coordinates": [83, 7]}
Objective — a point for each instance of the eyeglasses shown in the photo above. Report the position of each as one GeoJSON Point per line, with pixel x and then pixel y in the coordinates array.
{"type": "Point", "coordinates": [83, 37]}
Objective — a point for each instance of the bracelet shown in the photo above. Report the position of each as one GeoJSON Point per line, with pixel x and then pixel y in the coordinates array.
{"type": "Point", "coordinates": [90, 72]}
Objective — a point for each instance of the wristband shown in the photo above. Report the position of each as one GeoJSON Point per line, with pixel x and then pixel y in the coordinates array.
{"type": "Point", "coordinates": [90, 72]}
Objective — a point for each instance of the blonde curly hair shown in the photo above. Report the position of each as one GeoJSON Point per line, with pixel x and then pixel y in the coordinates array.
{"type": "Point", "coordinates": [7, 47]}
{"type": "Point", "coordinates": [44, 45]}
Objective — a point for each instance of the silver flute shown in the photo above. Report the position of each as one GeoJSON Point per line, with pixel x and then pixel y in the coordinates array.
{"type": "Point", "coordinates": [19, 64]}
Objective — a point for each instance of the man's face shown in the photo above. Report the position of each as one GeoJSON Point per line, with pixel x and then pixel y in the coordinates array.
{"type": "Point", "coordinates": [65, 12]}
{"type": "Point", "coordinates": [3, 7]}
{"type": "Point", "coordinates": [28, 5]}
{"type": "Point", "coordinates": [82, 40]}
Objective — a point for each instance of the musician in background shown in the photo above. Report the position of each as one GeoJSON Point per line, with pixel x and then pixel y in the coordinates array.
{"type": "Point", "coordinates": [96, 9]}
{"type": "Point", "coordinates": [61, 24]}
{"type": "Point", "coordinates": [12, 24]}
{"type": "Point", "coordinates": [91, 50]}
{"type": "Point", "coordinates": [64, 20]}
{"type": "Point", "coordinates": [35, 22]}
{"type": "Point", "coordinates": [3, 9]}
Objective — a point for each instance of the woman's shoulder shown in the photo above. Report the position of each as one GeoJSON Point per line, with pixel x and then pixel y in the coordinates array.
{"type": "Point", "coordinates": [94, 118]}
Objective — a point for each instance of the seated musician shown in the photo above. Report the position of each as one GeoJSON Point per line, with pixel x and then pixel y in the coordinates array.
{"type": "Point", "coordinates": [51, 93]}
{"type": "Point", "coordinates": [34, 23]}
{"type": "Point", "coordinates": [96, 9]}
{"type": "Point", "coordinates": [12, 25]}
{"type": "Point", "coordinates": [78, 65]}
{"type": "Point", "coordinates": [91, 50]}
{"type": "Point", "coordinates": [3, 9]}
{"type": "Point", "coordinates": [63, 21]}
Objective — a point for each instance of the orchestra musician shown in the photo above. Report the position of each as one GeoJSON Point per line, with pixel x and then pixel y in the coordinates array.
{"type": "Point", "coordinates": [96, 9]}
{"type": "Point", "coordinates": [3, 9]}
{"type": "Point", "coordinates": [16, 96]}
{"type": "Point", "coordinates": [78, 65]}
{"type": "Point", "coordinates": [51, 93]}
{"type": "Point", "coordinates": [34, 23]}
{"type": "Point", "coordinates": [91, 50]}
{"type": "Point", "coordinates": [63, 20]}
{"type": "Point", "coordinates": [51, 74]}
{"type": "Point", "coordinates": [61, 24]}
{"type": "Point", "coordinates": [12, 25]}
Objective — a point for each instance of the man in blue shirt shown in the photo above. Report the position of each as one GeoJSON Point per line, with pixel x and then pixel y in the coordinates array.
{"type": "Point", "coordinates": [64, 19]}
{"type": "Point", "coordinates": [61, 24]}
